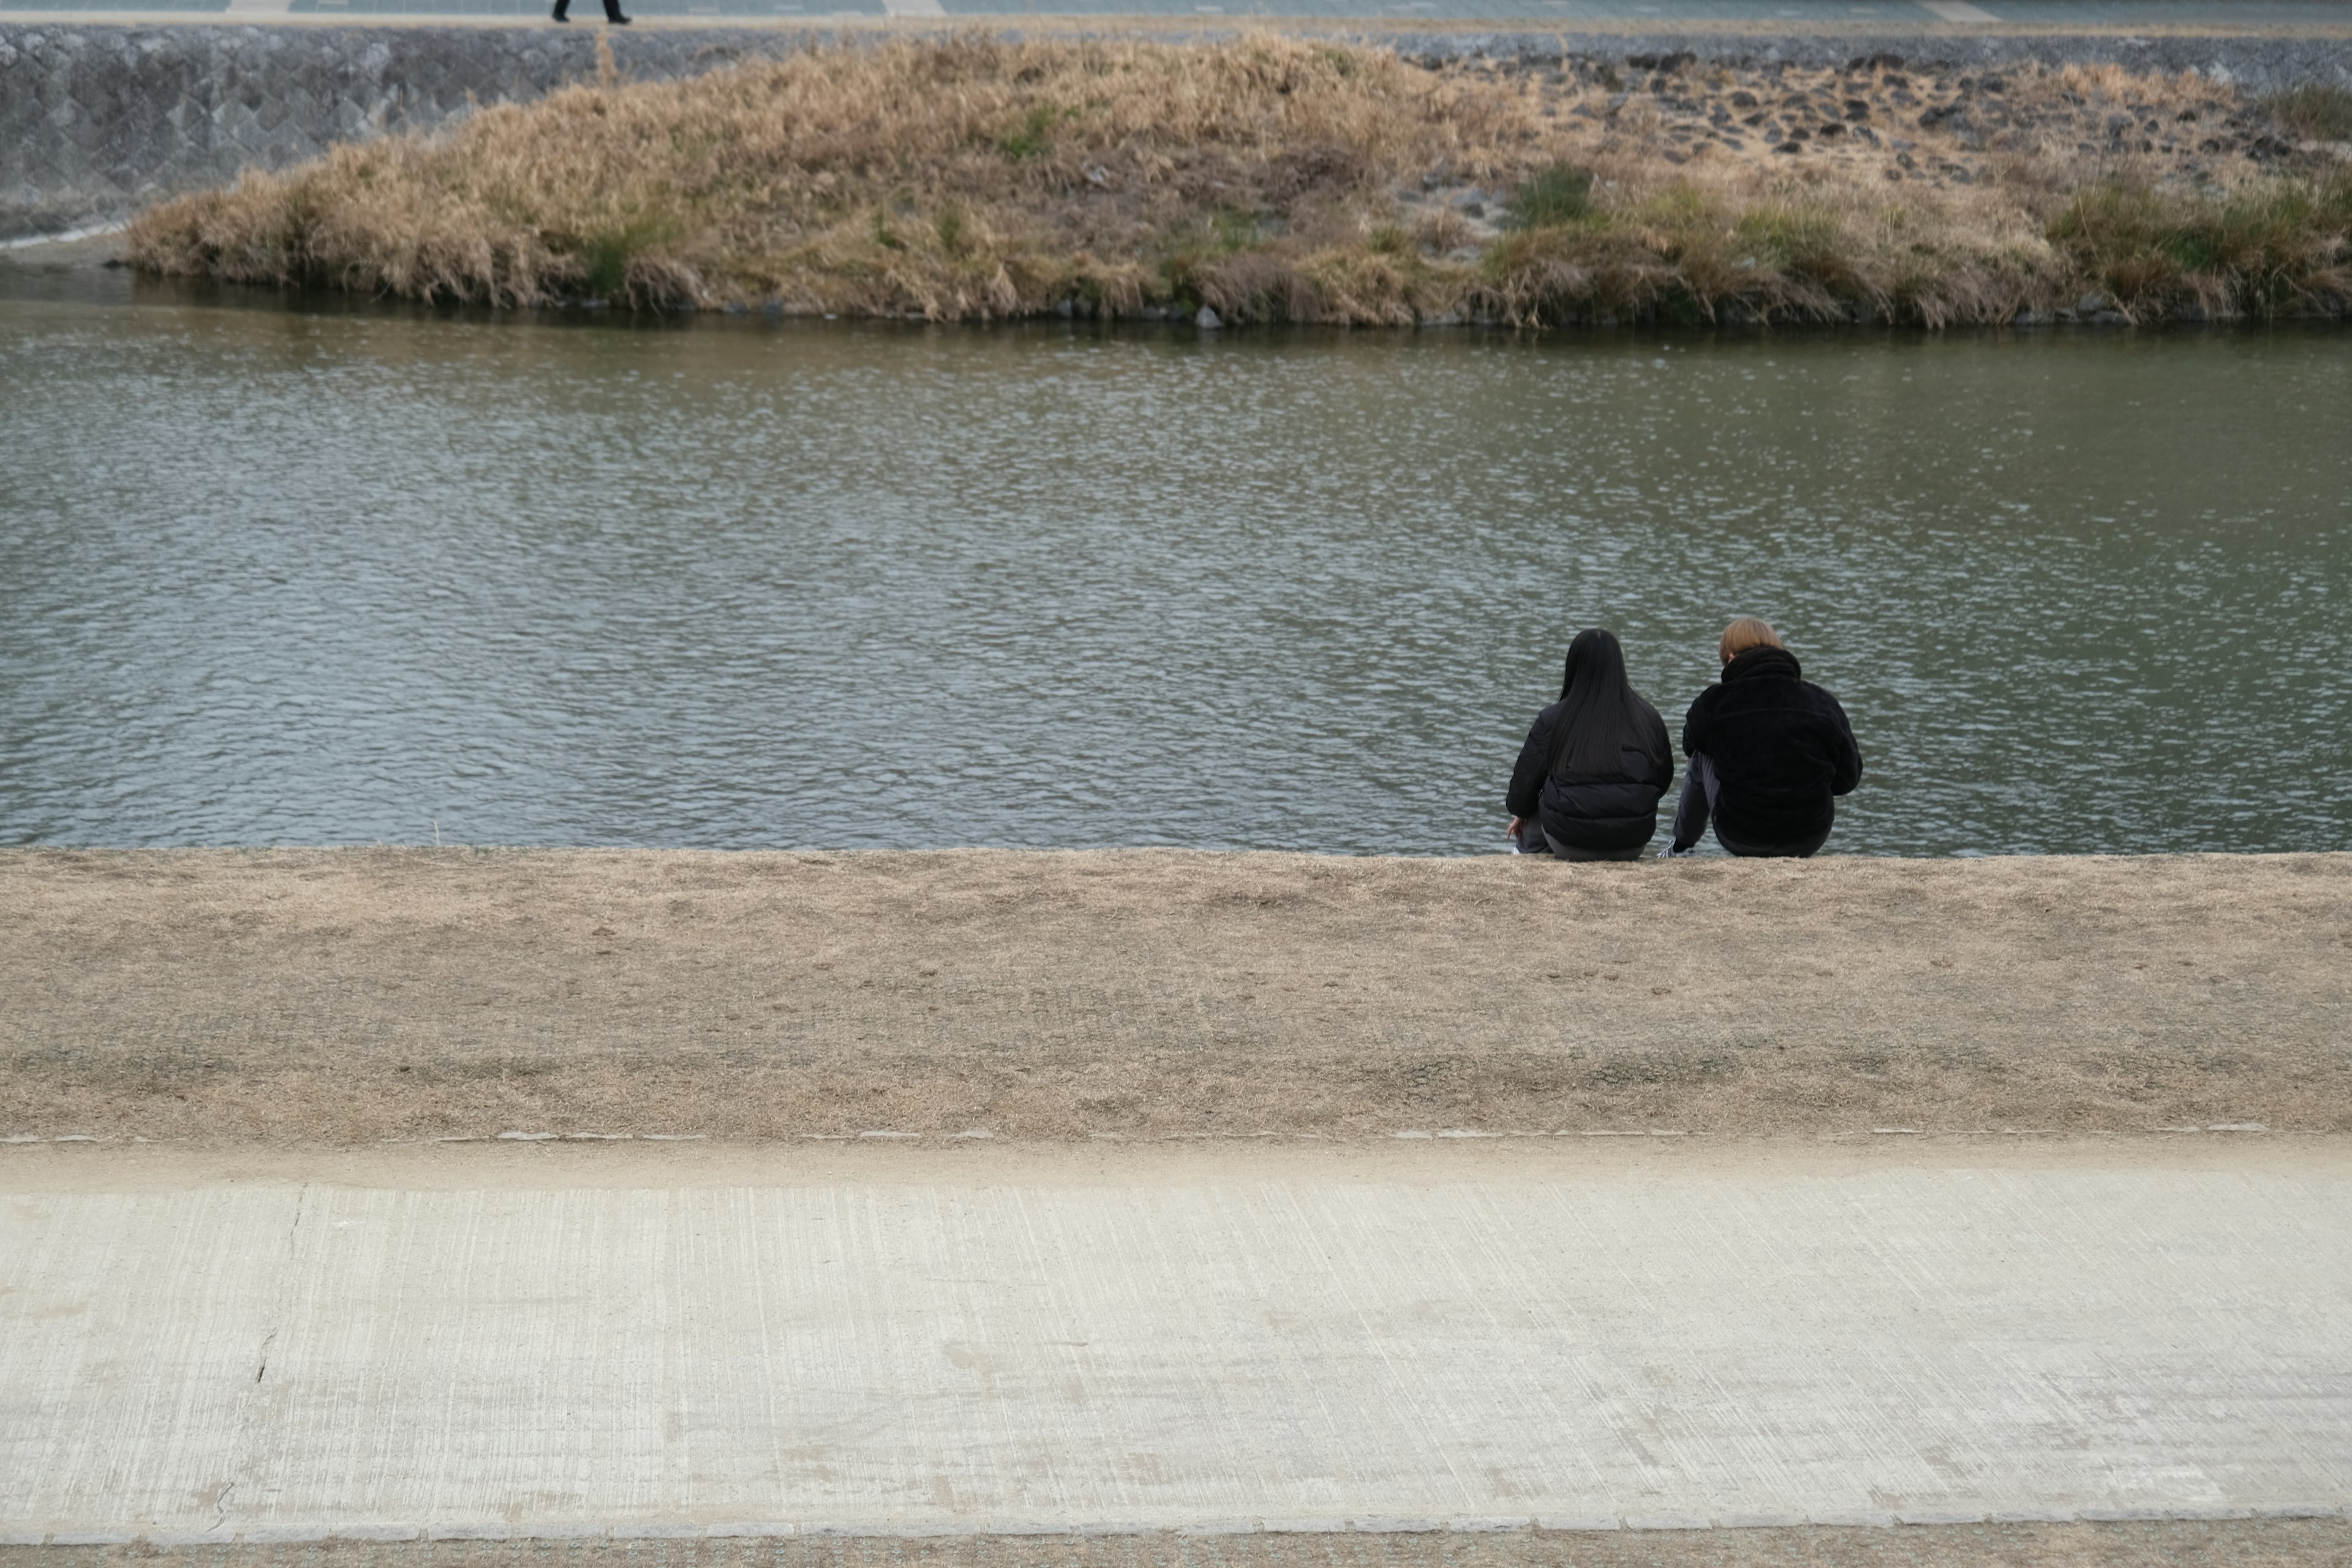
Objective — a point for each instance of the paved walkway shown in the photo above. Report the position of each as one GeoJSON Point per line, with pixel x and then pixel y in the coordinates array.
{"type": "Point", "coordinates": [564, 1342]}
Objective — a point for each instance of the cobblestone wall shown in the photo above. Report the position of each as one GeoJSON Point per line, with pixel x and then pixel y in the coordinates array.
{"type": "Point", "coordinates": [97, 118]}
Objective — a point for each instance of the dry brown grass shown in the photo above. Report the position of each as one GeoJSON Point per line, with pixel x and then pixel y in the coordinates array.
{"type": "Point", "coordinates": [346, 995]}
{"type": "Point", "coordinates": [1275, 178]}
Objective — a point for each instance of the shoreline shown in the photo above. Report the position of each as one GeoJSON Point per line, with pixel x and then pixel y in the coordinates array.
{"type": "Point", "coordinates": [96, 256]}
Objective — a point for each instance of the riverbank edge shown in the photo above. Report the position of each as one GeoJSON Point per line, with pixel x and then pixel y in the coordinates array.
{"type": "Point", "coordinates": [101, 257]}
{"type": "Point", "coordinates": [363, 995]}
{"type": "Point", "coordinates": [93, 257]}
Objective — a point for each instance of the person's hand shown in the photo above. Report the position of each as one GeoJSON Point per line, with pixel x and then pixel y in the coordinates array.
{"type": "Point", "coordinates": [1513, 830]}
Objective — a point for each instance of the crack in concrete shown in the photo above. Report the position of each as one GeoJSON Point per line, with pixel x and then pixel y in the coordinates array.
{"type": "Point", "coordinates": [293, 1231]}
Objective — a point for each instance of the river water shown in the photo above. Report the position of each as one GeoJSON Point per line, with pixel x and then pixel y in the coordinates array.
{"type": "Point", "coordinates": [331, 575]}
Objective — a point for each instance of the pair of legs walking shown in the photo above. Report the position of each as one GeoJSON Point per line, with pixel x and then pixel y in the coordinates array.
{"type": "Point", "coordinates": [1700, 789]}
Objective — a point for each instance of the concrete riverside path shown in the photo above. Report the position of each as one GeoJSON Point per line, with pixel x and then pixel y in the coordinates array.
{"type": "Point", "coordinates": [937, 1337]}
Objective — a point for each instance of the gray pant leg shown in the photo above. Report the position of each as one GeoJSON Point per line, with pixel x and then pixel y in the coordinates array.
{"type": "Point", "coordinates": [1698, 803]}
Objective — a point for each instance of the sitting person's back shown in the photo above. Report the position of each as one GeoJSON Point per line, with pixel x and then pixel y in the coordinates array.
{"type": "Point", "coordinates": [1770, 750]}
{"type": "Point", "coordinates": [1595, 764]}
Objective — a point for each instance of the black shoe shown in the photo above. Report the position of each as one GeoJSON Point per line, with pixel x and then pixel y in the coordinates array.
{"type": "Point", "coordinates": [617, 20]}
{"type": "Point", "coordinates": [560, 7]}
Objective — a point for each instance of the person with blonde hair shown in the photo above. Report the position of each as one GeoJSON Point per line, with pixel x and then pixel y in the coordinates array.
{"type": "Point", "coordinates": [1770, 752]}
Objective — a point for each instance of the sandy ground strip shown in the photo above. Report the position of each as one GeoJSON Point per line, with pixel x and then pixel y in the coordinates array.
{"type": "Point", "coordinates": [364, 994]}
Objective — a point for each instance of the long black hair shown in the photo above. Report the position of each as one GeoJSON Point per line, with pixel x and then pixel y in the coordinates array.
{"type": "Point", "coordinates": [1601, 717]}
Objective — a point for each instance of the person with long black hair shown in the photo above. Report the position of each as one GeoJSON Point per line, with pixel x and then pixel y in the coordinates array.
{"type": "Point", "coordinates": [1589, 777]}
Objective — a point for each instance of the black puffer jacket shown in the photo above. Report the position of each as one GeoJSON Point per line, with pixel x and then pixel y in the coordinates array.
{"type": "Point", "coordinates": [1596, 814]}
{"type": "Point", "coordinates": [1781, 745]}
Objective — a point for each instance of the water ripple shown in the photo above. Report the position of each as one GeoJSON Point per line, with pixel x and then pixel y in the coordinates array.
{"type": "Point", "coordinates": [273, 577]}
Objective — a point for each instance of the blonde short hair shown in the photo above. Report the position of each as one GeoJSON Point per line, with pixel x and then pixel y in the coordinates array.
{"type": "Point", "coordinates": [1747, 632]}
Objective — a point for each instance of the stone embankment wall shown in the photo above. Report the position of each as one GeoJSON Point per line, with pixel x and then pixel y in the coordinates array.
{"type": "Point", "coordinates": [97, 118]}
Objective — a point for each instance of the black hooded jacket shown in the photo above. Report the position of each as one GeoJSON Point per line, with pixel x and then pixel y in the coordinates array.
{"type": "Point", "coordinates": [1594, 814]}
{"type": "Point", "coordinates": [1780, 746]}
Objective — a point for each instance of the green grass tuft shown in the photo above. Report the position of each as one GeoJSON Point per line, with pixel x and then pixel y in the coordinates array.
{"type": "Point", "coordinates": [1033, 137]}
{"type": "Point", "coordinates": [606, 257]}
{"type": "Point", "coordinates": [2262, 248]}
{"type": "Point", "coordinates": [2315, 110]}
{"type": "Point", "coordinates": [1560, 194]}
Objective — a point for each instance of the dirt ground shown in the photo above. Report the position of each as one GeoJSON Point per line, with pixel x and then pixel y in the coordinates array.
{"type": "Point", "coordinates": [2277, 1543]}
{"type": "Point", "coordinates": [343, 996]}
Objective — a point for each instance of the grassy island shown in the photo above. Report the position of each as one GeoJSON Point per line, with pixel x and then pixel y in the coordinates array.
{"type": "Point", "coordinates": [1279, 179]}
